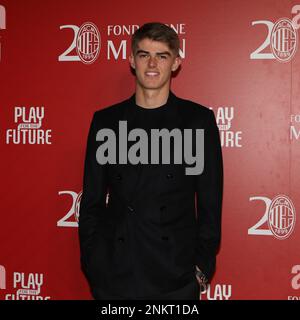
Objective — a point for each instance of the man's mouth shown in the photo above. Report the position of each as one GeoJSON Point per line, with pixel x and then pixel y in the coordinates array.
{"type": "Point", "coordinates": [152, 74]}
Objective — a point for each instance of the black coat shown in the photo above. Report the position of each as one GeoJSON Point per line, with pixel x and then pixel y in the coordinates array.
{"type": "Point", "coordinates": [158, 222]}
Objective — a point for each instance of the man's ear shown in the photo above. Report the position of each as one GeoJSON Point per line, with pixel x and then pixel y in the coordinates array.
{"type": "Point", "coordinates": [176, 63]}
{"type": "Point", "coordinates": [131, 61]}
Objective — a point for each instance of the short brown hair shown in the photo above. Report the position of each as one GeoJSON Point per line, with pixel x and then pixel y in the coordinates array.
{"type": "Point", "coordinates": [158, 32]}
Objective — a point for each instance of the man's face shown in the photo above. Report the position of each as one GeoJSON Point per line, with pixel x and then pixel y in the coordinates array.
{"type": "Point", "coordinates": [153, 62]}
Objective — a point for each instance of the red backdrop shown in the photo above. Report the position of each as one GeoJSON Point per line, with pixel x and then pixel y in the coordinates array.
{"type": "Point", "coordinates": [236, 59]}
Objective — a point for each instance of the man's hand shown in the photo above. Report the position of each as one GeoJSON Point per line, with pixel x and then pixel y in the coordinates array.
{"type": "Point", "coordinates": [202, 280]}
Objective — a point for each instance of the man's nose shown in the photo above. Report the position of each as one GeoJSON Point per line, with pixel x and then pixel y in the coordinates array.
{"type": "Point", "coordinates": [152, 62]}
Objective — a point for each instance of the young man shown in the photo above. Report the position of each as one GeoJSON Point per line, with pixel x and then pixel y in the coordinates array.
{"type": "Point", "coordinates": [148, 227]}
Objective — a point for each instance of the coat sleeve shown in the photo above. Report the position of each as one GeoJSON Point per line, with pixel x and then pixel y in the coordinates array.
{"type": "Point", "coordinates": [209, 192]}
{"type": "Point", "coordinates": [93, 201]}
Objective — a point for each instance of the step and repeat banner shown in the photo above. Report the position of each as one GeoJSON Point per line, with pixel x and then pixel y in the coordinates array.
{"type": "Point", "coordinates": [60, 61]}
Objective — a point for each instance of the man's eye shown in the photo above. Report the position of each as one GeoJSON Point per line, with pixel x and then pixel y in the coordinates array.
{"type": "Point", "coordinates": [163, 57]}
{"type": "Point", "coordinates": [143, 55]}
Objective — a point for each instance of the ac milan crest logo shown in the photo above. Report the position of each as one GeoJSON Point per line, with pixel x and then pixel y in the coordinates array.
{"type": "Point", "coordinates": [281, 217]}
{"type": "Point", "coordinates": [88, 43]}
{"type": "Point", "coordinates": [284, 40]}
{"type": "Point", "coordinates": [77, 206]}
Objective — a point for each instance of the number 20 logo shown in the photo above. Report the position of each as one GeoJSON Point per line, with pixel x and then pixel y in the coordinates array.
{"type": "Point", "coordinates": [281, 38]}
{"type": "Point", "coordinates": [73, 212]}
{"type": "Point", "coordinates": [86, 41]}
{"type": "Point", "coordinates": [71, 218]}
{"type": "Point", "coordinates": [2, 22]}
{"type": "Point", "coordinates": [280, 216]}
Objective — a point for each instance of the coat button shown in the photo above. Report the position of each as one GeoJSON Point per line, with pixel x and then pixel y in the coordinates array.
{"type": "Point", "coordinates": [165, 238]}
{"type": "Point", "coordinates": [121, 239]}
{"type": "Point", "coordinates": [169, 176]}
{"type": "Point", "coordinates": [130, 209]}
{"type": "Point", "coordinates": [162, 208]}
{"type": "Point", "coordinates": [119, 176]}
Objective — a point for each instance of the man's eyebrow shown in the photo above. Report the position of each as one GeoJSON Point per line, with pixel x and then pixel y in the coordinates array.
{"type": "Point", "coordinates": [141, 51]}
{"type": "Point", "coordinates": [164, 52]}
{"type": "Point", "coordinates": [157, 53]}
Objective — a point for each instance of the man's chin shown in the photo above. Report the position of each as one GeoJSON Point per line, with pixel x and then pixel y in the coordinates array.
{"type": "Point", "coordinates": [152, 85]}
